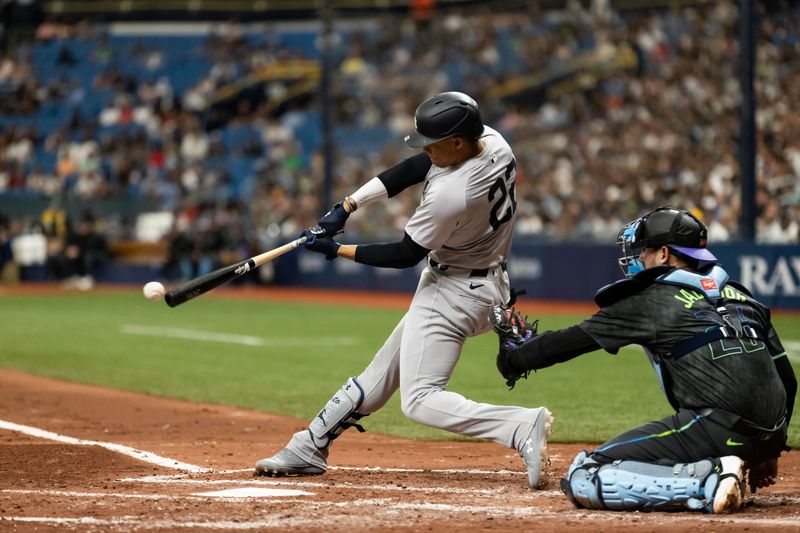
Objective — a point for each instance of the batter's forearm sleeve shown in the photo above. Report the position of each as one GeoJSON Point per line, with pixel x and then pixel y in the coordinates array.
{"type": "Point", "coordinates": [370, 192]}
{"type": "Point", "coordinates": [406, 173]}
{"type": "Point", "coordinates": [553, 347]}
{"type": "Point", "coordinates": [789, 380]}
{"type": "Point", "coordinates": [402, 254]}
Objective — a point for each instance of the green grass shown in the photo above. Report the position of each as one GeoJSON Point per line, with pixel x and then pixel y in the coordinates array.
{"type": "Point", "coordinates": [79, 337]}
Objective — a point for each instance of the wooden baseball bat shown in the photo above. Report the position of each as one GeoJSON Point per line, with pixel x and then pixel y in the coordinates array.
{"type": "Point", "coordinates": [200, 285]}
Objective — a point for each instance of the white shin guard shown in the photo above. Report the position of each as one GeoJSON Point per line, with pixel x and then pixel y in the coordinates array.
{"type": "Point", "coordinates": [340, 413]}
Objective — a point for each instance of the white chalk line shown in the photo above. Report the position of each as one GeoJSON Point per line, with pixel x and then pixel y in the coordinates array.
{"type": "Point", "coordinates": [380, 469]}
{"type": "Point", "coordinates": [253, 492]}
{"type": "Point", "coordinates": [141, 455]}
{"type": "Point", "coordinates": [162, 480]}
{"type": "Point", "coordinates": [131, 523]}
{"type": "Point", "coordinates": [231, 338]}
{"type": "Point", "coordinates": [133, 496]}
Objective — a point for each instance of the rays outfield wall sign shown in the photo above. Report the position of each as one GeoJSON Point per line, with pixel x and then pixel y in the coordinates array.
{"type": "Point", "coordinates": [778, 278]}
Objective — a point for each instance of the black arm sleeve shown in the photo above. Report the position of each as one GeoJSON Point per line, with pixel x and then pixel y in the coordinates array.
{"type": "Point", "coordinates": [789, 380]}
{"type": "Point", "coordinates": [552, 347]}
{"type": "Point", "coordinates": [406, 173]}
{"type": "Point", "coordinates": [402, 254]}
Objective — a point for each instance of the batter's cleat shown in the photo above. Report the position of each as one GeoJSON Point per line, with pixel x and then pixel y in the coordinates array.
{"type": "Point", "coordinates": [730, 488]}
{"type": "Point", "coordinates": [286, 463]}
{"type": "Point", "coordinates": [534, 449]}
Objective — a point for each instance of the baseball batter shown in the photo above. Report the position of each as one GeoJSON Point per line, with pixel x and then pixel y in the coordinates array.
{"type": "Point", "coordinates": [463, 227]}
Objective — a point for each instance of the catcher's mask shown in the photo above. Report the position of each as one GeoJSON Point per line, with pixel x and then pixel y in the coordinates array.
{"type": "Point", "coordinates": [684, 234]}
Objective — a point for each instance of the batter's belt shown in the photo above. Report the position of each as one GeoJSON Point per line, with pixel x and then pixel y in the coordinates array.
{"type": "Point", "coordinates": [474, 273]}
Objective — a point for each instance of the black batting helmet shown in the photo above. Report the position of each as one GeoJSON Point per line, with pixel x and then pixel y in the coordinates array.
{"type": "Point", "coordinates": [445, 115]}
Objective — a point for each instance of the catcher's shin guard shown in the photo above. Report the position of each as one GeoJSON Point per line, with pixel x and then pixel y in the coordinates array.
{"type": "Point", "coordinates": [710, 486]}
{"type": "Point", "coordinates": [340, 413]}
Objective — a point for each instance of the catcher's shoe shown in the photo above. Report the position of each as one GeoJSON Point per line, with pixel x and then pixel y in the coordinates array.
{"type": "Point", "coordinates": [534, 449]}
{"type": "Point", "coordinates": [286, 463]}
{"type": "Point", "coordinates": [730, 488]}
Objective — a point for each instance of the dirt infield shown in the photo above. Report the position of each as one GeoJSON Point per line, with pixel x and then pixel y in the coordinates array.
{"type": "Point", "coordinates": [74, 457]}
{"type": "Point", "coordinates": [81, 458]}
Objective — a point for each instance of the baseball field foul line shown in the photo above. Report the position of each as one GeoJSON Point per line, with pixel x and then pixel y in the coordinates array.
{"type": "Point", "coordinates": [119, 448]}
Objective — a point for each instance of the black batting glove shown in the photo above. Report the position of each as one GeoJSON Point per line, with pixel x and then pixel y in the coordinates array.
{"type": "Point", "coordinates": [317, 240]}
{"type": "Point", "coordinates": [334, 220]}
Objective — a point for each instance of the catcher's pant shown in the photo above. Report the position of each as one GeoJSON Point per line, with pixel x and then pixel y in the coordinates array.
{"type": "Point", "coordinates": [420, 355]}
{"type": "Point", "coordinates": [692, 435]}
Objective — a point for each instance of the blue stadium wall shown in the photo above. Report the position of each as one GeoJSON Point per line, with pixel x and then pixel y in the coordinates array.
{"type": "Point", "coordinates": [571, 272]}
{"type": "Point", "coordinates": [565, 272]}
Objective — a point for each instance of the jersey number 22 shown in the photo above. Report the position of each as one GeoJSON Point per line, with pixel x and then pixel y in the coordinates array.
{"type": "Point", "coordinates": [504, 190]}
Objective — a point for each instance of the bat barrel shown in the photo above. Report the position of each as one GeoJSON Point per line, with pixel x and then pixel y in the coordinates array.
{"type": "Point", "coordinates": [203, 284]}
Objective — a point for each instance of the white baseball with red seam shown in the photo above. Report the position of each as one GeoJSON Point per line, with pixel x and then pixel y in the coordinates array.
{"type": "Point", "coordinates": [153, 291]}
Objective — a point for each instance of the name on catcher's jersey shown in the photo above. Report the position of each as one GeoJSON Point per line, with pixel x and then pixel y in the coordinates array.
{"type": "Point", "coordinates": [467, 213]}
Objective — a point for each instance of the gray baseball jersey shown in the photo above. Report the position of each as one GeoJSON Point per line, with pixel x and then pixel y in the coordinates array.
{"type": "Point", "coordinates": [466, 219]}
{"type": "Point", "coordinates": [467, 212]}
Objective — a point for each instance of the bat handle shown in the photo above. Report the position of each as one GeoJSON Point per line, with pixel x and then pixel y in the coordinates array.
{"type": "Point", "coordinates": [260, 259]}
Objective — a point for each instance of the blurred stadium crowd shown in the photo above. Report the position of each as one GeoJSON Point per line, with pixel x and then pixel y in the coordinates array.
{"type": "Point", "coordinates": [610, 114]}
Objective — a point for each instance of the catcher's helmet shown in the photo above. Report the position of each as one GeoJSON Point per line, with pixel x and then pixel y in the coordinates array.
{"type": "Point", "coordinates": [445, 115]}
{"type": "Point", "coordinates": [681, 231]}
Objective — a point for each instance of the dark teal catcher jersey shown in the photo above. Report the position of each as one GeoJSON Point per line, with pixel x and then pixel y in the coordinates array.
{"type": "Point", "coordinates": [663, 307]}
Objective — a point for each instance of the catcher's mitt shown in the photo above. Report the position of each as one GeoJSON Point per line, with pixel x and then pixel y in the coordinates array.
{"type": "Point", "coordinates": [513, 331]}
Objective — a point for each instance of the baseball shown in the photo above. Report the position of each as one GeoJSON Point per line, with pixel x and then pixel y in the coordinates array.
{"type": "Point", "coordinates": [153, 291]}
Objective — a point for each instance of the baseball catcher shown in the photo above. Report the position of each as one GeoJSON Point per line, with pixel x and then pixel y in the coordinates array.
{"type": "Point", "coordinates": [717, 356]}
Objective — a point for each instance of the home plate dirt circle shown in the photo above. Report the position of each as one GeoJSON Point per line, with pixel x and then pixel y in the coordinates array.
{"type": "Point", "coordinates": [80, 458]}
